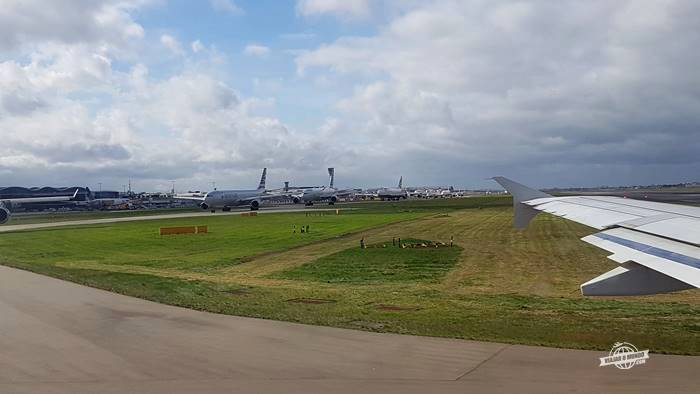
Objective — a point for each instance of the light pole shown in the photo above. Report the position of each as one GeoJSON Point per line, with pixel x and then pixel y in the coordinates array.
{"type": "Point", "coordinates": [100, 186]}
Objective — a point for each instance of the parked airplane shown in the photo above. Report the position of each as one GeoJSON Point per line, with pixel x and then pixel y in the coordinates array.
{"type": "Point", "coordinates": [7, 204]}
{"type": "Point", "coordinates": [392, 193]}
{"type": "Point", "coordinates": [226, 199]}
{"type": "Point", "coordinates": [330, 193]}
{"type": "Point", "coordinates": [656, 244]}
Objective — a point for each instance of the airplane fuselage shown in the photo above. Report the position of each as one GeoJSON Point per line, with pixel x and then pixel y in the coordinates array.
{"type": "Point", "coordinates": [223, 199]}
{"type": "Point", "coordinates": [392, 194]}
{"type": "Point", "coordinates": [324, 194]}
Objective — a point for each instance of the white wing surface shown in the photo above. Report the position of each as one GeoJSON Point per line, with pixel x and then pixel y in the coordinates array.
{"type": "Point", "coordinates": [11, 201]}
{"type": "Point", "coordinates": [656, 244]}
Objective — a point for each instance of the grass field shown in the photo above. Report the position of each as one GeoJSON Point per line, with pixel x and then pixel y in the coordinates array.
{"type": "Point", "coordinates": [504, 285]}
{"type": "Point", "coordinates": [378, 263]}
{"type": "Point", "coordinates": [138, 246]}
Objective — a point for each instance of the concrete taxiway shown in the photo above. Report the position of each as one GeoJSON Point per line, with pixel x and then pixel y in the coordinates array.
{"type": "Point", "coordinates": [59, 337]}
{"type": "Point", "coordinates": [34, 226]}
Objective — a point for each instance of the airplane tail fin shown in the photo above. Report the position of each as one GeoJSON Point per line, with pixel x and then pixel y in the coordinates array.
{"type": "Point", "coordinates": [261, 186]}
{"type": "Point", "coordinates": [401, 182]}
{"type": "Point", "coordinates": [331, 172]}
{"type": "Point", "coordinates": [523, 212]}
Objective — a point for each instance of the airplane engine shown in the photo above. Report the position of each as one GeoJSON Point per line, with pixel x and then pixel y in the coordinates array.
{"type": "Point", "coordinates": [4, 215]}
{"type": "Point", "coordinates": [296, 200]}
{"type": "Point", "coordinates": [254, 205]}
{"type": "Point", "coordinates": [204, 206]}
{"type": "Point", "coordinates": [334, 199]}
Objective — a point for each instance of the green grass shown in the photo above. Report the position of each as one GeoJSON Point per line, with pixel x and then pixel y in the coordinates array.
{"type": "Point", "coordinates": [230, 239]}
{"type": "Point", "coordinates": [378, 263]}
{"type": "Point", "coordinates": [505, 285]}
{"type": "Point", "coordinates": [584, 323]}
{"type": "Point", "coordinates": [432, 205]}
{"type": "Point", "coordinates": [49, 217]}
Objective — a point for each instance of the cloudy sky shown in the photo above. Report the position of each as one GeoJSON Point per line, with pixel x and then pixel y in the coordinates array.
{"type": "Point", "coordinates": [553, 93]}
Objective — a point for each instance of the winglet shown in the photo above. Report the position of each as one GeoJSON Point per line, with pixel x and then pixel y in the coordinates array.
{"type": "Point", "coordinates": [523, 213]}
{"type": "Point", "coordinates": [75, 194]}
{"type": "Point", "coordinates": [401, 182]}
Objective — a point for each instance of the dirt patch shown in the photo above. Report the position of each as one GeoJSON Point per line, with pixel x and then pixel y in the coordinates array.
{"type": "Point", "coordinates": [400, 308]}
{"type": "Point", "coordinates": [311, 301]}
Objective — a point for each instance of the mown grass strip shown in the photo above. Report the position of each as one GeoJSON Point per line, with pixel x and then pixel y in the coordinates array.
{"type": "Point", "coordinates": [379, 263]}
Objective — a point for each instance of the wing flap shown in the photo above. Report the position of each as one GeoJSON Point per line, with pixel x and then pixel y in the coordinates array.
{"type": "Point", "coordinates": [683, 229]}
{"type": "Point", "coordinates": [670, 258]}
{"type": "Point", "coordinates": [632, 279]}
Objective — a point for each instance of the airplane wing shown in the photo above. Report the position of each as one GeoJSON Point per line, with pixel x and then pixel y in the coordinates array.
{"type": "Point", "coordinates": [188, 197]}
{"type": "Point", "coordinates": [264, 197]}
{"type": "Point", "coordinates": [13, 201]}
{"type": "Point", "coordinates": [656, 244]}
{"type": "Point", "coordinates": [345, 192]}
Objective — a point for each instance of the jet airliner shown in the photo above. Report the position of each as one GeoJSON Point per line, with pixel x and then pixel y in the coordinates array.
{"type": "Point", "coordinates": [227, 199]}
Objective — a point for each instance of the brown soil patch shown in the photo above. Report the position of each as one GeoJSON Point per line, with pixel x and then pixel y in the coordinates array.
{"type": "Point", "coordinates": [311, 301]}
{"type": "Point", "coordinates": [389, 307]}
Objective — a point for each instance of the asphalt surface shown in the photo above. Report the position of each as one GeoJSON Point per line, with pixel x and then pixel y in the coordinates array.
{"type": "Point", "coordinates": [34, 226]}
{"type": "Point", "coordinates": [59, 337]}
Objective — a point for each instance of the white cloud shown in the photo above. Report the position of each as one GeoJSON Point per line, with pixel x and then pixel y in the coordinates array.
{"type": "Point", "coordinates": [491, 85]}
{"type": "Point", "coordinates": [24, 22]}
{"type": "Point", "coordinates": [256, 50]}
{"type": "Point", "coordinates": [172, 44]}
{"type": "Point", "coordinates": [572, 92]}
{"type": "Point", "coordinates": [226, 6]}
{"type": "Point", "coordinates": [68, 117]}
{"type": "Point", "coordinates": [197, 46]}
{"type": "Point", "coordinates": [343, 8]}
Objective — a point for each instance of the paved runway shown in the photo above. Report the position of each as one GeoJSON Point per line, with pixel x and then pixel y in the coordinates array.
{"type": "Point", "coordinates": [19, 227]}
{"type": "Point", "coordinates": [59, 337]}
